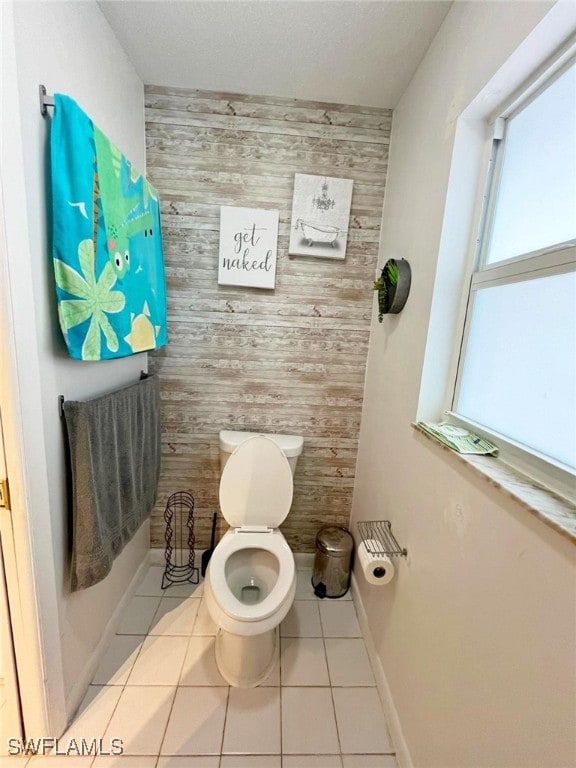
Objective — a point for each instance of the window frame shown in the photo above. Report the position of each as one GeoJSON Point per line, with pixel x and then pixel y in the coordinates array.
{"type": "Point", "coordinates": [559, 258]}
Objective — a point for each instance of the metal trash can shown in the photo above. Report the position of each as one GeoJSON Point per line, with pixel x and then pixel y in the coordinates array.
{"type": "Point", "coordinates": [332, 562]}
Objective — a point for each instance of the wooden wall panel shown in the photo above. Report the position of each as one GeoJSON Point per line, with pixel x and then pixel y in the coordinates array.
{"type": "Point", "coordinates": [289, 360]}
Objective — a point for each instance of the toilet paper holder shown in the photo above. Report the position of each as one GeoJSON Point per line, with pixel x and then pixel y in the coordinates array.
{"type": "Point", "coordinates": [379, 532]}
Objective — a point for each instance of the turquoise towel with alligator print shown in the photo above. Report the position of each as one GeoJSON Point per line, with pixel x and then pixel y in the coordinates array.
{"type": "Point", "coordinates": [107, 243]}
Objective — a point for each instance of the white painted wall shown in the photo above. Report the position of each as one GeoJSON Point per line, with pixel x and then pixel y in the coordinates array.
{"type": "Point", "coordinates": [310, 49]}
{"type": "Point", "coordinates": [476, 634]}
{"type": "Point", "coordinates": [70, 48]}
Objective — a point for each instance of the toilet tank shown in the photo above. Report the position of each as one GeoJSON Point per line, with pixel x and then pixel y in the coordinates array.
{"type": "Point", "coordinates": [290, 445]}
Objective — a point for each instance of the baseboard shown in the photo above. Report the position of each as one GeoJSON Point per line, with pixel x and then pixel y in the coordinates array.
{"type": "Point", "coordinates": [401, 748]}
{"type": "Point", "coordinates": [302, 559]}
{"type": "Point", "coordinates": [158, 557]}
{"type": "Point", "coordinates": [76, 694]}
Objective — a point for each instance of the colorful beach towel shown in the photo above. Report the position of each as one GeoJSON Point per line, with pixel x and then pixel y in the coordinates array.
{"type": "Point", "coordinates": [107, 243]}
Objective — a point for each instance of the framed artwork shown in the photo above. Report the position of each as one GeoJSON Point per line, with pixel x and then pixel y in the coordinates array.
{"type": "Point", "coordinates": [248, 246]}
{"type": "Point", "coordinates": [320, 216]}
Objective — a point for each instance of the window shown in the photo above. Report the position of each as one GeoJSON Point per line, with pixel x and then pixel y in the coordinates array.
{"type": "Point", "coordinates": [516, 378]}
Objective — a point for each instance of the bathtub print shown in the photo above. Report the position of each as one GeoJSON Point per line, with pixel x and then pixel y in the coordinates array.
{"type": "Point", "coordinates": [320, 216]}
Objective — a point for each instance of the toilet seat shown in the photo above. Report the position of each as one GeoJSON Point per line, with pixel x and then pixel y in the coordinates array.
{"type": "Point", "coordinates": [255, 497]}
{"type": "Point", "coordinates": [273, 542]}
{"type": "Point", "coordinates": [264, 503]}
{"type": "Point", "coordinates": [254, 510]}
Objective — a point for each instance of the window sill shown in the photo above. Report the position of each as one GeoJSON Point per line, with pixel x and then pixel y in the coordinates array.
{"type": "Point", "coordinates": [552, 509]}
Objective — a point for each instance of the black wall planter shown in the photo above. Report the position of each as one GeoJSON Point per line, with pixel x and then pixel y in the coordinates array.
{"type": "Point", "coordinates": [393, 287]}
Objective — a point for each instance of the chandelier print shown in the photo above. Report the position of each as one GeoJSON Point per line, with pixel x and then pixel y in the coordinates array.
{"type": "Point", "coordinates": [323, 203]}
{"type": "Point", "coordinates": [320, 216]}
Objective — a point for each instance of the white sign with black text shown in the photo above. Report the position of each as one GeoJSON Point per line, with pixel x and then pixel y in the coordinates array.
{"type": "Point", "coordinates": [248, 244]}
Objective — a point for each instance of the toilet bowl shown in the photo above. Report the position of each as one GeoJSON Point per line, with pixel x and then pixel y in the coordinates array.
{"type": "Point", "coordinates": [251, 578]}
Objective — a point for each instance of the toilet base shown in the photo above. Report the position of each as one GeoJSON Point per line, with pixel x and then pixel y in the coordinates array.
{"type": "Point", "coordinates": [246, 661]}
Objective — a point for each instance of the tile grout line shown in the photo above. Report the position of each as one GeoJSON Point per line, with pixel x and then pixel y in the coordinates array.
{"type": "Point", "coordinates": [146, 636]}
{"type": "Point", "coordinates": [177, 686]}
{"type": "Point", "coordinates": [166, 726]}
{"type": "Point", "coordinates": [224, 725]}
{"type": "Point", "coordinates": [179, 683]}
{"type": "Point", "coordinates": [331, 690]}
{"type": "Point", "coordinates": [132, 668]}
{"type": "Point", "coordinates": [124, 685]}
{"type": "Point", "coordinates": [280, 691]}
{"type": "Point", "coordinates": [281, 686]}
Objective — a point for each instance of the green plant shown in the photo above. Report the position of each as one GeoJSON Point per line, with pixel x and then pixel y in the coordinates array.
{"type": "Point", "coordinates": [387, 279]}
{"type": "Point", "coordinates": [392, 270]}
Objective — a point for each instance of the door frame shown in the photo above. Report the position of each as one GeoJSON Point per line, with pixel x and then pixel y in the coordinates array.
{"type": "Point", "coordinates": [11, 725]}
{"type": "Point", "coordinates": [29, 556]}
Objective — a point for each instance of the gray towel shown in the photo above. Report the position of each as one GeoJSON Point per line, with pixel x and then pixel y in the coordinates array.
{"type": "Point", "coordinates": [115, 460]}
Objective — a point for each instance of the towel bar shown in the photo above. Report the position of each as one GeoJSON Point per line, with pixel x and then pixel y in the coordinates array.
{"type": "Point", "coordinates": [61, 398]}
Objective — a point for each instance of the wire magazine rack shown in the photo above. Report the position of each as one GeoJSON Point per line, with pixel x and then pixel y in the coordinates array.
{"type": "Point", "coordinates": [180, 540]}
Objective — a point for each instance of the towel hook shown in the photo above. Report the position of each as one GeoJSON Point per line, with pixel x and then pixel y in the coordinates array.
{"type": "Point", "coordinates": [45, 100]}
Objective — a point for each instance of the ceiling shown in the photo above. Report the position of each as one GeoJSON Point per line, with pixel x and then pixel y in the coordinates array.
{"type": "Point", "coordinates": [348, 51]}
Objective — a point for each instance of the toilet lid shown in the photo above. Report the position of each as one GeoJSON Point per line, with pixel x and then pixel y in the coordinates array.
{"type": "Point", "coordinates": [256, 485]}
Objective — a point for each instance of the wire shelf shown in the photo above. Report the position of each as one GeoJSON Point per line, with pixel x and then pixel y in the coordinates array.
{"type": "Point", "coordinates": [378, 538]}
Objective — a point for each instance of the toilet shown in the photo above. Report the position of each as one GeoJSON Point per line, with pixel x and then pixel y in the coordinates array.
{"type": "Point", "coordinates": [251, 578]}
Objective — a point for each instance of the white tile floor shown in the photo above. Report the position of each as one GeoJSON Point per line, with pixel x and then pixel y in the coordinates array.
{"type": "Point", "coordinates": [159, 690]}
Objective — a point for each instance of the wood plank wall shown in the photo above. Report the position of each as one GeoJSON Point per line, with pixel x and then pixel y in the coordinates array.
{"type": "Point", "coordinates": [290, 360]}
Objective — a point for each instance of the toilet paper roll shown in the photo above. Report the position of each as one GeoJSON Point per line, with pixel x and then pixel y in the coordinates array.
{"type": "Point", "coordinates": [377, 568]}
